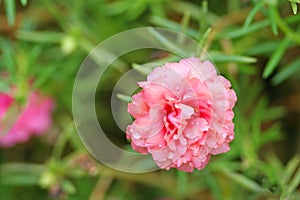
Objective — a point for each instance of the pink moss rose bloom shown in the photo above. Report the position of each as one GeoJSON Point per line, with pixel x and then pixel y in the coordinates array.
{"type": "Point", "coordinates": [183, 114]}
{"type": "Point", "coordinates": [18, 122]}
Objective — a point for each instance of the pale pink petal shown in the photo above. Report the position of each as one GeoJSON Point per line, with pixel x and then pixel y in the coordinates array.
{"type": "Point", "coordinates": [183, 115]}
{"type": "Point", "coordinates": [138, 107]}
{"type": "Point", "coordinates": [34, 119]}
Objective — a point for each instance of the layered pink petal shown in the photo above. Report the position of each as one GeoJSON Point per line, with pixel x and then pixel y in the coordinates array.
{"type": "Point", "coordinates": [33, 118]}
{"type": "Point", "coordinates": [183, 114]}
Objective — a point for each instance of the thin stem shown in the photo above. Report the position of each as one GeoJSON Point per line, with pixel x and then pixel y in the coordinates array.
{"type": "Point", "coordinates": [62, 141]}
{"type": "Point", "coordinates": [101, 187]}
{"type": "Point", "coordinates": [182, 184]}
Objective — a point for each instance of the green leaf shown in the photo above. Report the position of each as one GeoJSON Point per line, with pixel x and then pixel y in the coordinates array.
{"type": "Point", "coordinates": [203, 21]}
{"type": "Point", "coordinates": [291, 69]}
{"type": "Point", "coordinates": [68, 187]}
{"type": "Point", "coordinates": [20, 174]}
{"type": "Point", "coordinates": [272, 18]}
{"type": "Point", "coordinates": [136, 9]}
{"type": "Point", "coordinates": [196, 11]}
{"type": "Point", "coordinates": [167, 43]}
{"type": "Point", "coordinates": [44, 76]}
{"type": "Point", "coordinates": [203, 39]}
{"type": "Point", "coordinates": [19, 179]}
{"type": "Point", "coordinates": [254, 27]}
{"type": "Point", "coordinates": [291, 166]}
{"type": "Point", "coordinates": [157, 9]}
{"type": "Point", "coordinates": [8, 56]}
{"type": "Point", "coordinates": [159, 21]}
{"type": "Point", "coordinates": [142, 68]}
{"type": "Point", "coordinates": [274, 113]}
{"type": "Point", "coordinates": [40, 36]}
{"type": "Point", "coordinates": [288, 181]}
{"type": "Point", "coordinates": [10, 9]}
{"type": "Point", "coordinates": [276, 57]}
{"type": "Point", "coordinates": [21, 168]}
{"type": "Point", "coordinates": [270, 135]}
{"type": "Point", "coordinates": [262, 48]}
{"type": "Point", "coordinates": [124, 97]}
{"type": "Point", "coordinates": [257, 26]}
{"type": "Point", "coordinates": [116, 8]}
{"type": "Point", "coordinates": [23, 2]}
{"type": "Point", "coordinates": [258, 6]}
{"type": "Point", "coordinates": [245, 182]}
{"type": "Point", "coordinates": [294, 7]}
{"type": "Point", "coordinates": [285, 28]}
{"type": "Point", "coordinates": [220, 57]}
{"type": "Point", "coordinates": [295, 182]}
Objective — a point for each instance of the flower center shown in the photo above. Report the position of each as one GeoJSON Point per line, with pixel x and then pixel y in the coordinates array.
{"type": "Point", "coordinates": [172, 118]}
{"type": "Point", "coordinates": [176, 113]}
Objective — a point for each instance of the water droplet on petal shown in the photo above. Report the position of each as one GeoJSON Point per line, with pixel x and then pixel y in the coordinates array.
{"type": "Point", "coordinates": [136, 136]}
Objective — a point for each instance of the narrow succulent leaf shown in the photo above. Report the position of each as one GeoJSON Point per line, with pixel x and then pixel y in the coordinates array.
{"type": "Point", "coordinates": [258, 6]}
{"type": "Point", "coordinates": [245, 182]}
{"type": "Point", "coordinates": [290, 70]}
{"type": "Point", "coordinates": [23, 2]}
{"type": "Point", "coordinates": [10, 9]}
{"type": "Point", "coordinates": [276, 57]}
{"type": "Point", "coordinates": [272, 18]}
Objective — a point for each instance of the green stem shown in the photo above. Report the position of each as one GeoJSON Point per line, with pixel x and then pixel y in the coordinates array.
{"type": "Point", "coordinates": [184, 26]}
{"type": "Point", "coordinates": [203, 23]}
{"type": "Point", "coordinates": [62, 141]}
{"type": "Point", "coordinates": [182, 184]}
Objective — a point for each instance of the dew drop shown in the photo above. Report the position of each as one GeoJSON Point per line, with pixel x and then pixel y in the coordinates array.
{"type": "Point", "coordinates": [136, 136]}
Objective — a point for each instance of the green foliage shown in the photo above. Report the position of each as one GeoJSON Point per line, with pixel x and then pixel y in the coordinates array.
{"type": "Point", "coordinates": [276, 57]}
{"type": "Point", "coordinates": [290, 70]}
{"type": "Point", "coordinates": [255, 44]}
{"type": "Point", "coordinates": [294, 5]}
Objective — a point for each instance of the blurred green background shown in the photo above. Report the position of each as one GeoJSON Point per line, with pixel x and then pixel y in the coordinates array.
{"type": "Point", "coordinates": [255, 44]}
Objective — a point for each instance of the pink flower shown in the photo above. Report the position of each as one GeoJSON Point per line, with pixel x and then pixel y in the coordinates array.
{"type": "Point", "coordinates": [19, 122]}
{"type": "Point", "coordinates": [183, 114]}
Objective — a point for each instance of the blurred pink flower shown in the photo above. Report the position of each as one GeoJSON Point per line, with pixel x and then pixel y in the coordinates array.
{"type": "Point", "coordinates": [18, 123]}
{"type": "Point", "coordinates": [183, 114]}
